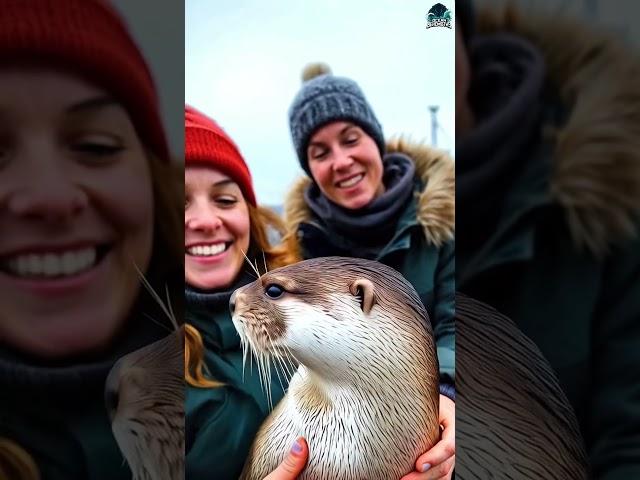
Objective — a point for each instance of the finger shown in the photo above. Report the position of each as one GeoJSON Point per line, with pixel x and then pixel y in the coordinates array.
{"type": "Point", "coordinates": [438, 454]}
{"type": "Point", "coordinates": [293, 463]}
{"type": "Point", "coordinates": [442, 471]}
{"type": "Point", "coordinates": [447, 412]}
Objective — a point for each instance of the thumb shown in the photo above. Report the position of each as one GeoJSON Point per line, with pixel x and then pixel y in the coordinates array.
{"type": "Point", "coordinates": [293, 463]}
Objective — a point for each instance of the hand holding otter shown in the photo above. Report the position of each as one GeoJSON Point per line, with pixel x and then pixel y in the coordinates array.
{"type": "Point", "coordinates": [293, 463]}
{"type": "Point", "coordinates": [441, 454]}
{"type": "Point", "coordinates": [439, 461]}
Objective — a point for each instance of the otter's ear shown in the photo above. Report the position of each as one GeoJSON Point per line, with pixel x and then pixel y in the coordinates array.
{"type": "Point", "coordinates": [364, 288]}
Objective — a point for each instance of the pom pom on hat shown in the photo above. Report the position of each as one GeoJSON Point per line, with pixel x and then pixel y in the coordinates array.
{"type": "Point", "coordinates": [314, 70]}
{"type": "Point", "coordinates": [206, 143]}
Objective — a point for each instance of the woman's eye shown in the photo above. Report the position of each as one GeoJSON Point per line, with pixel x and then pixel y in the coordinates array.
{"type": "Point", "coordinates": [97, 145]}
{"type": "Point", "coordinates": [98, 149]}
{"type": "Point", "coordinates": [318, 154]}
{"type": "Point", "coordinates": [226, 201]}
{"type": "Point", "coordinates": [351, 140]}
{"type": "Point", "coordinates": [274, 291]}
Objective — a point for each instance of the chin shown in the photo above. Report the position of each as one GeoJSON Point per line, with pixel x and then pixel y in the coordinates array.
{"type": "Point", "coordinates": [356, 203]}
{"type": "Point", "coordinates": [219, 281]}
{"type": "Point", "coordinates": [69, 339]}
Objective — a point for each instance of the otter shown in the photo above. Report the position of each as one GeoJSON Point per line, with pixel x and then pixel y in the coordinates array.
{"type": "Point", "coordinates": [514, 421]}
{"type": "Point", "coordinates": [144, 395]}
{"type": "Point", "coordinates": [365, 393]}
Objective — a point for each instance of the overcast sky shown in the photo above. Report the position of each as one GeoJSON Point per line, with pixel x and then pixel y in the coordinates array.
{"type": "Point", "coordinates": [242, 63]}
{"type": "Point", "coordinates": [243, 60]}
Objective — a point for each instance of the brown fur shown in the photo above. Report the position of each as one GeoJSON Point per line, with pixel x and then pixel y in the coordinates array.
{"type": "Point", "coordinates": [596, 160]}
{"type": "Point", "coordinates": [145, 401]}
{"type": "Point", "coordinates": [368, 375]}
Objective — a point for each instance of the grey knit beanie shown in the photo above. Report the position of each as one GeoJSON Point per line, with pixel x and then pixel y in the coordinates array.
{"type": "Point", "coordinates": [323, 99]}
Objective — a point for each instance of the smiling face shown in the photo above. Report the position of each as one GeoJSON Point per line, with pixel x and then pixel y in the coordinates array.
{"type": "Point", "coordinates": [346, 164]}
{"type": "Point", "coordinates": [76, 212]}
{"type": "Point", "coordinates": [216, 228]}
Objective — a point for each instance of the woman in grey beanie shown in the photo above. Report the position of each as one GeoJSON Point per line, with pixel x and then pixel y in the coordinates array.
{"type": "Point", "coordinates": [393, 202]}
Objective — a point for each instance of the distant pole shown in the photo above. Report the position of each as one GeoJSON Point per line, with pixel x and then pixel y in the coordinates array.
{"type": "Point", "coordinates": [434, 125]}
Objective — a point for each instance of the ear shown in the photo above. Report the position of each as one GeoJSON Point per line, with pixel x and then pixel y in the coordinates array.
{"type": "Point", "coordinates": [365, 289]}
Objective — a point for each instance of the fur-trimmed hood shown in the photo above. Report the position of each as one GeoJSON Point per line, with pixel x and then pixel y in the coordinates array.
{"type": "Point", "coordinates": [436, 207]}
{"type": "Point", "coordinates": [596, 158]}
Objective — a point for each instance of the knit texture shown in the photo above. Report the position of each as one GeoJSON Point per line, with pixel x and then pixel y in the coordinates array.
{"type": "Point", "coordinates": [206, 143]}
{"type": "Point", "coordinates": [325, 99]}
{"type": "Point", "coordinates": [89, 39]}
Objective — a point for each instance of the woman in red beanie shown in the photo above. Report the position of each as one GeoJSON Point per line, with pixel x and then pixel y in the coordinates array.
{"type": "Point", "coordinates": [87, 194]}
{"type": "Point", "coordinates": [222, 224]}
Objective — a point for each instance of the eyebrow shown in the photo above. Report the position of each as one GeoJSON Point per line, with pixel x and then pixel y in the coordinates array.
{"type": "Point", "coordinates": [222, 183]}
{"type": "Point", "coordinates": [346, 127]}
{"type": "Point", "coordinates": [94, 103]}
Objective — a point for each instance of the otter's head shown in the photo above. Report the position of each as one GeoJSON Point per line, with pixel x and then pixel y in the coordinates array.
{"type": "Point", "coordinates": [333, 314]}
{"type": "Point", "coordinates": [144, 395]}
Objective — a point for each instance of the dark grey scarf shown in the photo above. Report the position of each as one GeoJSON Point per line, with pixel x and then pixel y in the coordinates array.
{"type": "Point", "coordinates": [21, 372]}
{"type": "Point", "coordinates": [506, 97]}
{"type": "Point", "coordinates": [375, 223]}
{"type": "Point", "coordinates": [216, 299]}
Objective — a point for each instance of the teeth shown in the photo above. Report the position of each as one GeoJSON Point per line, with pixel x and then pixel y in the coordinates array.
{"type": "Point", "coordinates": [52, 264]}
{"type": "Point", "coordinates": [351, 182]}
{"type": "Point", "coordinates": [207, 250]}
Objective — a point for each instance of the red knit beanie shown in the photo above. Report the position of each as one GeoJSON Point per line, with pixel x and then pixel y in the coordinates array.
{"type": "Point", "coordinates": [87, 38]}
{"type": "Point", "coordinates": [206, 143]}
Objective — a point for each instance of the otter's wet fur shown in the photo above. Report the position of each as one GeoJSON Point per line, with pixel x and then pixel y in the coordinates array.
{"type": "Point", "coordinates": [365, 394]}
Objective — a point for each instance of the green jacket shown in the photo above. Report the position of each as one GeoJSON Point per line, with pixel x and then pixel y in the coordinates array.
{"type": "Point", "coordinates": [422, 248]}
{"type": "Point", "coordinates": [221, 423]}
{"type": "Point", "coordinates": [57, 415]}
{"type": "Point", "coordinates": [564, 261]}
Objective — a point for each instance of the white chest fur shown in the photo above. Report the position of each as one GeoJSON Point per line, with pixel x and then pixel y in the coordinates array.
{"type": "Point", "coordinates": [352, 435]}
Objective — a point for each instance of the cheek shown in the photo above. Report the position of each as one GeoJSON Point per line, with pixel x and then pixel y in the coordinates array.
{"type": "Point", "coordinates": [240, 226]}
{"type": "Point", "coordinates": [375, 167]}
{"type": "Point", "coordinates": [321, 173]}
{"type": "Point", "coordinates": [125, 194]}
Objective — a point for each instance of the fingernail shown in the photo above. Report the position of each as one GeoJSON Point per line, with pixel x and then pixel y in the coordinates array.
{"type": "Point", "coordinates": [297, 447]}
{"type": "Point", "coordinates": [426, 466]}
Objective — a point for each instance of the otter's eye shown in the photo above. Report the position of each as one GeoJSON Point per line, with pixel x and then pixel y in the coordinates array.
{"type": "Point", "coordinates": [274, 291]}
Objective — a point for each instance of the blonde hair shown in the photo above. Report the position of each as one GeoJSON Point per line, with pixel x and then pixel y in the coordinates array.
{"type": "Point", "coordinates": [16, 463]}
{"type": "Point", "coordinates": [260, 220]}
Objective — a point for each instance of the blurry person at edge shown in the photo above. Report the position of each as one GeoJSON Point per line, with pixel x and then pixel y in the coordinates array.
{"type": "Point", "coordinates": [548, 203]}
{"type": "Point", "coordinates": [88, 195]}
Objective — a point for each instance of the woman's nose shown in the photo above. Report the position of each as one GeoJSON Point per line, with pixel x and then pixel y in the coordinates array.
{"type": "Point", "coordinates": [342, 160]}
{"type": "Point", "coordinates": [203, 220]}
{"type": "Point", "coordinates": [54, 198]}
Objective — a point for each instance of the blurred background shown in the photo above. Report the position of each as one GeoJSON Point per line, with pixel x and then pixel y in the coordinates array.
{"type": "Point", "coordinates": [160, 35]}
{"type": "Point", "coordinates": [244, 58]}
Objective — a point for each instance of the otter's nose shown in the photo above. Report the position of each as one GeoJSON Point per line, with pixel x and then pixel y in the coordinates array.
{"type": "Point", "coordinates": [232, 303]}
